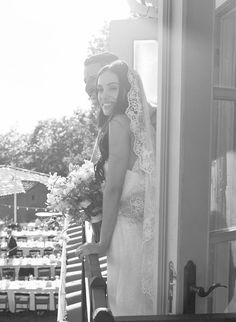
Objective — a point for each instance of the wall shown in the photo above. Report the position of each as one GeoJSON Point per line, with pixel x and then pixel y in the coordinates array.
{"type": "Point", "coordinates": [35, 197]}
{"type": "Point", "coordinates": [123, 32]}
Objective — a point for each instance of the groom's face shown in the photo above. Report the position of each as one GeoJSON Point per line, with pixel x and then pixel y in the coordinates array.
{"type": "Point", "coordinates": [90, 79]}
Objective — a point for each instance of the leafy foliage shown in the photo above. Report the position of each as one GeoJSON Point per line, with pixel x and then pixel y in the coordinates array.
{"type": "Point", "coordinates": [53, 145]}
{"type": "Point", "coordinates": [13, 148]}
{"type": "Point", "coordinates": [99, 42]}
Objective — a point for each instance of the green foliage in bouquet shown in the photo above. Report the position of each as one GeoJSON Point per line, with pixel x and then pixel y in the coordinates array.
{"type": "Point", "coordinates": [78, 195]}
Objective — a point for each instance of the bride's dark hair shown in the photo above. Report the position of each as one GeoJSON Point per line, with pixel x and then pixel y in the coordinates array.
{"type": "Point", "coordinates": [120, 68]}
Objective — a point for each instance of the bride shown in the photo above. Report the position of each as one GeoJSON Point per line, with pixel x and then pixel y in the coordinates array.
{"type": "Point", "coordinates": [126, 166]}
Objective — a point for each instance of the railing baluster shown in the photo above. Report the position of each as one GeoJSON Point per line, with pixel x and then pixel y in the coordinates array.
{"type": "Point", "coordinates": [96, 296]}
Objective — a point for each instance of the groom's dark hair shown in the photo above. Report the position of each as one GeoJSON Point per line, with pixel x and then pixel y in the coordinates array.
{"type": "Point", "coordinates": [104, 58]}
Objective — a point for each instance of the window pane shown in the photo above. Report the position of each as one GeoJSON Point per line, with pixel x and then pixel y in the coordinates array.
{"type": "Point", "coordinates": [223, 167]}
{"type": "Point", "coordinates": [223, 271]}
{"type": "Point", "coordinates": [225, 48]}
{"type": "Point", "coordinates": [145, 62]}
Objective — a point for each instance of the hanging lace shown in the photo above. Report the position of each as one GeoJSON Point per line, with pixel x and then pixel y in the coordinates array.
{"type": "Point", "coordinates": [144, 143]}
{"type": "Point", "coordinates": [140, 125]}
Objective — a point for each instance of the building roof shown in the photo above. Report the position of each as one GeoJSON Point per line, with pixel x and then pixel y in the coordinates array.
{"type": "Point", "coordinates": [12, 179]}
{"type": "Point", "coordinates": [27, 185]}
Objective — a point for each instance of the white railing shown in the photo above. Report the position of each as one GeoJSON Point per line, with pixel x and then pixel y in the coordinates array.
{"type": "Point", "coordinates": [61, 314]}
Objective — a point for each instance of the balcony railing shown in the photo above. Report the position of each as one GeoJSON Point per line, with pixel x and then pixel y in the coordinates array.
{"type": "Point", "coordinates": [83, 296]}
{"type": "Point", "coordinates": [95, 285]}
{"type": "Point", "coordinates": [62, 292]}
{"type": "Point", "coordinates": [72, 295]}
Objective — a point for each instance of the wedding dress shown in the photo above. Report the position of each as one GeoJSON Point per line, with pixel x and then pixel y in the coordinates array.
{"type": "Point", "coordinates": [130, 258]}
{"type": "Point", "coordinates": [124, 257]}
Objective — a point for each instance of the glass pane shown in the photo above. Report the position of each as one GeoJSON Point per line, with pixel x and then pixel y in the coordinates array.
{"type": "Point", "coordinates": [146, 63]}
{"type": "Point", "coordinates": [223, 167]}
{"type": "Point", "coordinates": [225, 47]}
{"type": "Point", "coordinates": [223, 269]}
{"type": "Point", "coordinates": [219, 3]}
{"type": "Point", "coordinates": [222, 249]}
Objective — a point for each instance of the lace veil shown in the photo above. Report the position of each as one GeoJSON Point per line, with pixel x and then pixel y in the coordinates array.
{"type": "Point", "coordinates": [138, 112]}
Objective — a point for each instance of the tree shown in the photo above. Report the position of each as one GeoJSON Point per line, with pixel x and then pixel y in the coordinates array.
{"type": "Point", "coordinates": [55, 144]}
{"type": "Point", "coordinates": [99, 42]}
{"type": "Point", "coordinates": [13, 148]}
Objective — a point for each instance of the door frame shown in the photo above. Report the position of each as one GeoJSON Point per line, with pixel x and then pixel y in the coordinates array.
{"type": "Point", "coordinates": [186, 39]}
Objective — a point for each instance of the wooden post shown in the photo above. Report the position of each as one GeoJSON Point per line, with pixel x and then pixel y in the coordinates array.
{"type": "Point", "coordinates": [15, 208]}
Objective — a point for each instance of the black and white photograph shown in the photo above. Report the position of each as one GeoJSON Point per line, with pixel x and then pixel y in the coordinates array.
{"type": "Point", "coordinates": [118, 160]}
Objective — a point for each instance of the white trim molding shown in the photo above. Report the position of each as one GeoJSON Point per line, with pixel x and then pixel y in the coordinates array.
{"type": "Point", "coordinates": [164, 33]}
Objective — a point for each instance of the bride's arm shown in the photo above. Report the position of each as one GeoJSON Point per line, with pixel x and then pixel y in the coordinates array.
{"type": "Point", "coordinates": [119, 149]}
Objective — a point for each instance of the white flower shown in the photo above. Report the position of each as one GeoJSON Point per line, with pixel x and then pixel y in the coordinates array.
{"type": "Point", "coordinates": [68, 188]}
{"type": "Point", "coordinates": [64, 191]}
{"type": "Point", "coordinates": [85, 203]}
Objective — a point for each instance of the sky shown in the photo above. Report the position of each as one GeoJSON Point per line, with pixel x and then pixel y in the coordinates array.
{"type": "Point", "coordinates": [43, 47]}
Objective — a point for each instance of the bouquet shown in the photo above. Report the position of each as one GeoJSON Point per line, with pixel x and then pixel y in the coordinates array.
{"type": "Point", "coordinates": [78, 195]}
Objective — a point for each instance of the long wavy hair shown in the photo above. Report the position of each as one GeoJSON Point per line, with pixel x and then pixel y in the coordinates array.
{"type": "Point", "coordinates": [120, 68]}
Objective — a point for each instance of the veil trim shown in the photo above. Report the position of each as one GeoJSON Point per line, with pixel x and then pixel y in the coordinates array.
{"type": "Point", "coordinates": [138, 120]}
{"type": "Point", "coordinates": [144, 143]}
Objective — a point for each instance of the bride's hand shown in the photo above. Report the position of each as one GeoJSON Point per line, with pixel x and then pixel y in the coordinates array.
{"type": "Point", "coordinates": [89, 248]}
